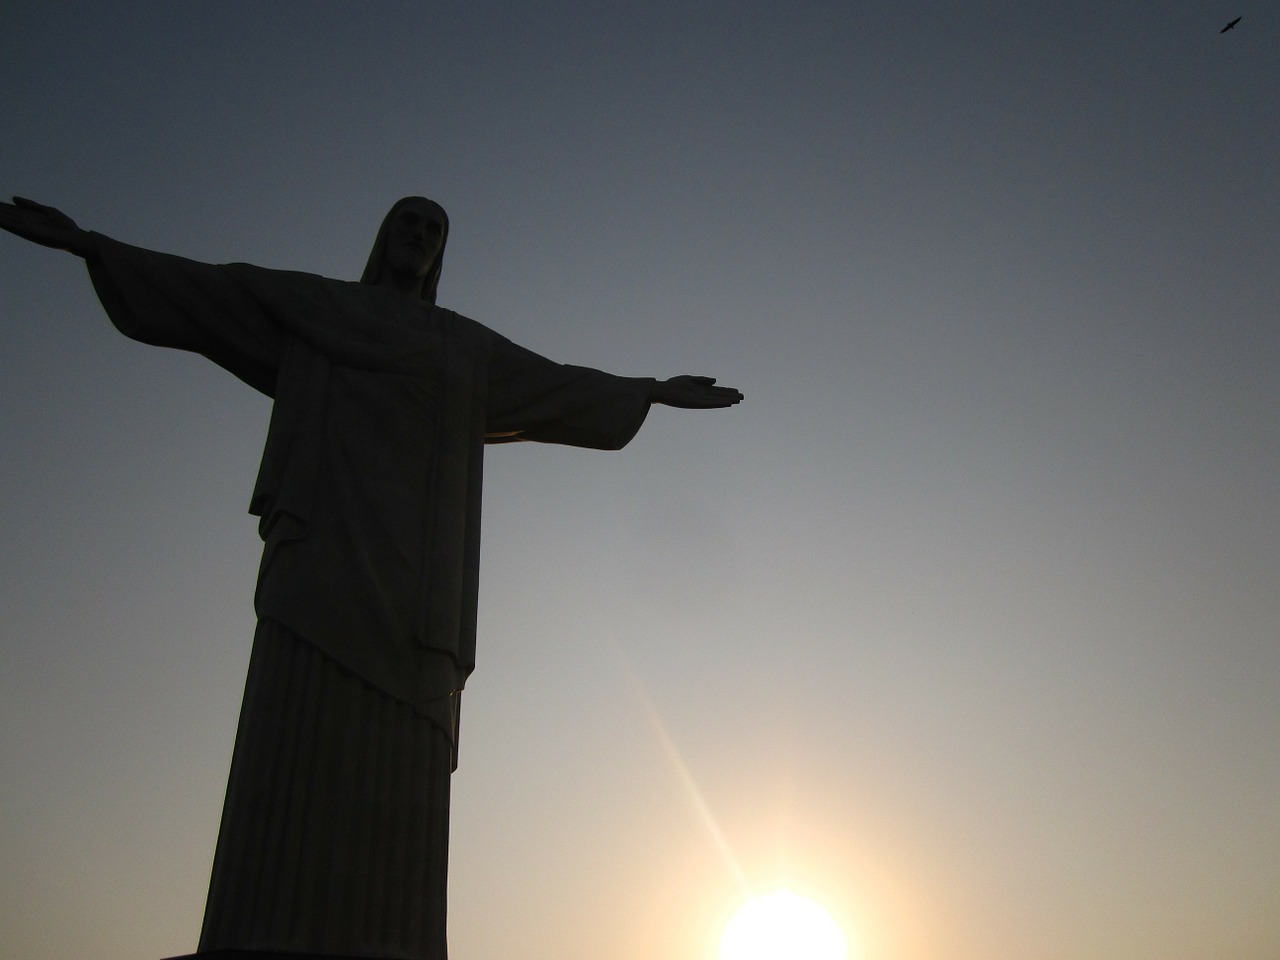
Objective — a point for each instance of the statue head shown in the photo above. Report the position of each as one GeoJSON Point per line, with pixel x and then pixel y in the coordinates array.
{"type": "Point", "coordinates": [410, 243]}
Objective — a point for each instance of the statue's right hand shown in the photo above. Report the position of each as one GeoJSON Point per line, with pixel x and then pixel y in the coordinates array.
{"type": "Point", "coordinates": [45, 226]}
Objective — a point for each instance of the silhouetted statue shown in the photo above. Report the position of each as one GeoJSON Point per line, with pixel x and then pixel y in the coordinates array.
{"type": "Point", "coordinates": [334, 834]}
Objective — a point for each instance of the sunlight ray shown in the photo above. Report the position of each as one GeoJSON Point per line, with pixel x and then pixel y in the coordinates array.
{"type": "Point", "coordinates": [685, 776]}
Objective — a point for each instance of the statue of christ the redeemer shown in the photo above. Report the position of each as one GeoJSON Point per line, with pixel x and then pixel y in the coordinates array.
{"type": "Point", "coordinates": [334, 835]}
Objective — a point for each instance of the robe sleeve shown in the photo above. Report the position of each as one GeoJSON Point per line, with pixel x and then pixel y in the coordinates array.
{"type": "Point", "coordinates": [170, 301]}
{"type": "Point", "coordinates": [532, 398]}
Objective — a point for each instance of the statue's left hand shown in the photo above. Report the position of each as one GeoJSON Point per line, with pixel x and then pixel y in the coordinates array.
{"type": "Point", "coordinates": [693, 393]}
{"type": "Point", "coordinates": [45, 226]}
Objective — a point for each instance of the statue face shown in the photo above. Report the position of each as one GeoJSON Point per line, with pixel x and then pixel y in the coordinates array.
{"type": "Point", "coordinates": [414, 237]}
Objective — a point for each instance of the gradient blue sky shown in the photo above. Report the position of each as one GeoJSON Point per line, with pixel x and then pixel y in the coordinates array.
{"type": "Point", "coordinates": [965, 622]}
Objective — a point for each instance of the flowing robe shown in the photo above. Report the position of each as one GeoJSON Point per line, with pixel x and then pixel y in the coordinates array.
{"type": "Point", "coordinates": [368, 499]}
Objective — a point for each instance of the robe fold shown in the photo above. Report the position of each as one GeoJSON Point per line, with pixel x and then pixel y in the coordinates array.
{"type": "Point", "coordinates": [334, 834]}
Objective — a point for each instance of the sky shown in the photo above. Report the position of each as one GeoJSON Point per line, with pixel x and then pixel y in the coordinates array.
{"type": "Point", "coordinates": [964, 623]}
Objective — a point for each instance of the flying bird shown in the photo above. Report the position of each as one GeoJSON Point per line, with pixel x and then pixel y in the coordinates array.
{"type": "Point", "coordinates": [1230, 25]}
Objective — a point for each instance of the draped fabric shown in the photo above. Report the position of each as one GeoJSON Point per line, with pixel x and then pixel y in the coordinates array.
{"type": "Point", "coordinates": [334, 836]}
{"type": "Point", "coordinates": [370, 486]}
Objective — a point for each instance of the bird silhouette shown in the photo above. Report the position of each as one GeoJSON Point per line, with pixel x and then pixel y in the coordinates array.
{"type": "Point", "coordinates": [1230, 25]}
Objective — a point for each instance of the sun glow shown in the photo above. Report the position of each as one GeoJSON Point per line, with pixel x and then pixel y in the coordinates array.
{"type": "Point", "coordinates": [782, 926]}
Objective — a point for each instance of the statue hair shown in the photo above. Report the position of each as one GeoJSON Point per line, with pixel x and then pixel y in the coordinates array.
{"type": "Point", "coordinates": [378, 257]}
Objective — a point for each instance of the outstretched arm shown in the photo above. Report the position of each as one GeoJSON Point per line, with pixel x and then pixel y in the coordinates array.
{"type": "Point", "coordinates": [693, 393]}
{"type": "Point", "coordinates": [532, 398]}
{"type": "Point", "coordinates": [167, 301]}
{"type": "Point", "coordinates": [45, 226]}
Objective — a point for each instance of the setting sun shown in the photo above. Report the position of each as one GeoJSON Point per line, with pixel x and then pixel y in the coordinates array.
{"type": "Point", "coordinates": [782, 925]}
